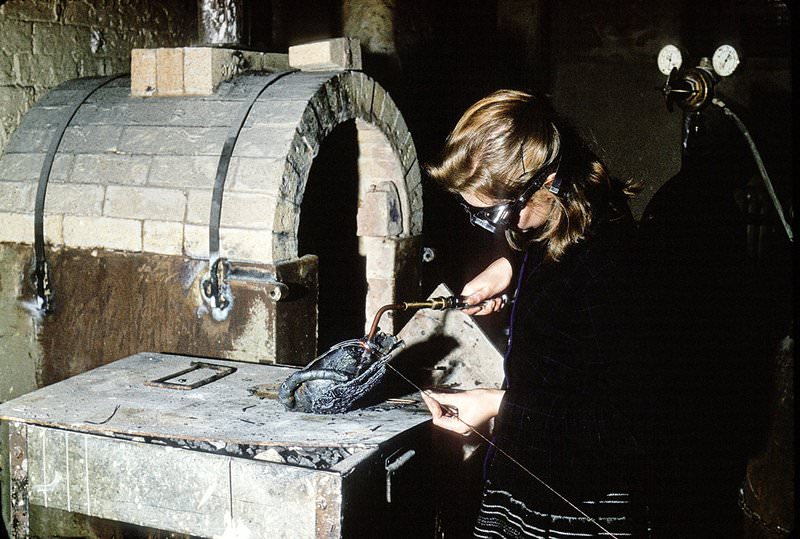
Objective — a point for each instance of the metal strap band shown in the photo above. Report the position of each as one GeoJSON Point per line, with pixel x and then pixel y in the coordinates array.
{"type": "Point", "coordinates": [42, 278]}
{"type": "Point", "coordinates": [213, 286]}
{"type": "Point", "coordinates": [224, 162]}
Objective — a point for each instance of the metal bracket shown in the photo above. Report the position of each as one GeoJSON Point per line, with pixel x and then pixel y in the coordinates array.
{"type": "Point", "coordinates": [277, 290]}
{"type": "Point", "coordinates": [217, 290]}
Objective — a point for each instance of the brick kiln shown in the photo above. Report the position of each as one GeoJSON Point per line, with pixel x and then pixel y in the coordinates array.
{"type": "Point", "coordinates": [165, 208]}
{"type": "Point", "coordinates": [165, 211]}
{"type": "Point", "coordinates": [212, 459]}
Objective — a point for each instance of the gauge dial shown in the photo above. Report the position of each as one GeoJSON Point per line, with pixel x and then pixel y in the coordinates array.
{"type": "Point", "coordinates": [725, 60]}
{"type": "Point", "coordinates": [669, 58]}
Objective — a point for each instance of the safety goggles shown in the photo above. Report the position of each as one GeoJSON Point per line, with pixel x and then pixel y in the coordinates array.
{"type": "Point", "coordinates": [506, 214]}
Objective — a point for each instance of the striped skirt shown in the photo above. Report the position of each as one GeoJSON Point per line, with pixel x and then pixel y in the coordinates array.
{"type": "Point", "coordinates": [502, 516]}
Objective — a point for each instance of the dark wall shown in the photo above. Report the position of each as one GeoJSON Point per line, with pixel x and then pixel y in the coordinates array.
{"type": "Point", "coordinates": [722, 287]}
{"type": "Point", "coordinates": [596, 60]}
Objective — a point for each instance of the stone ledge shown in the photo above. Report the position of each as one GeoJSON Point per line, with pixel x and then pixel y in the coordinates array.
{"type": "Point", "coordinates": [181, 71]}
{"type": "Point", "coordinates": [329, 55]}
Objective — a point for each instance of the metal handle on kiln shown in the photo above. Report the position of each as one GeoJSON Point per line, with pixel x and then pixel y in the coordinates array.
{"type": "Point", "coordinates": [216, 288]}
{"type": "Point", "coordinates": [393, 464]}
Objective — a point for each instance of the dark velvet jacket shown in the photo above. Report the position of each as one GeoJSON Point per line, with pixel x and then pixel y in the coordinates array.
{"type": "Point", "coordinates": [573, 412]}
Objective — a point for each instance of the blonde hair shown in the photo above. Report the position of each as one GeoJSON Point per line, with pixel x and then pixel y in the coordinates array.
{"type": "Point", "coordinates": [501, 141]}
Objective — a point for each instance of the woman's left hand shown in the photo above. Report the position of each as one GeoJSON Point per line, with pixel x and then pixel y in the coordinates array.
{"type": "Point", "coordinates": [483, 291]}
{"type": "Point", "coordinates": [462, 411]}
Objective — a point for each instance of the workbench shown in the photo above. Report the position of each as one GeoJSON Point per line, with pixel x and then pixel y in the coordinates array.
{"type": "Point", "coordinates": [202, 447]}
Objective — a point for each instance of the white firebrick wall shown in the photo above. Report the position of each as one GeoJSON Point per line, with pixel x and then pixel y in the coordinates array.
{"type": "Point", "coordinates": [136, 174]}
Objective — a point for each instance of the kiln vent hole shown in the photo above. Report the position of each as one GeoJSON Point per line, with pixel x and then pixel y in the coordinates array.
{"type": "Point", "coordinates": [328, 230]}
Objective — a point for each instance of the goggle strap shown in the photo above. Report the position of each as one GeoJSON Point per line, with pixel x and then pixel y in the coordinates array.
{"type": "Point", "coordinates": [555, 187]}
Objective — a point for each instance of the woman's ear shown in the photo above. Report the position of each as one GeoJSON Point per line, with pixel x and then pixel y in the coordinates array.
{"type": "Point", "coordinates": [536, 210]}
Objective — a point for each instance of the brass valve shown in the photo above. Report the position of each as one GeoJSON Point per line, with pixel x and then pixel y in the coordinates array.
{"type": "Point", "coordinates": [437, 304]}
{"type": "Point", "coordinates": [691, 89]}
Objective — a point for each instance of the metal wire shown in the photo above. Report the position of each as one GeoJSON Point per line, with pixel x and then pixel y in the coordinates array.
{"type": "Point", "coordinates": [506, 455]}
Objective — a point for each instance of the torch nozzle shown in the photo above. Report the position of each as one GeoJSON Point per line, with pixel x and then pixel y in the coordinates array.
{"type": "Point", "coordinates": [437, 304]}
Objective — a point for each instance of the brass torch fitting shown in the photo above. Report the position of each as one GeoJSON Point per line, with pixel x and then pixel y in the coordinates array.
{"type": "Point", "coordinates": [437, 304]}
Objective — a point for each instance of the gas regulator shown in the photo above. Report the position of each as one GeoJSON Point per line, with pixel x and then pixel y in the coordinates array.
{"type": "Point", "coordinates": [693, 88]}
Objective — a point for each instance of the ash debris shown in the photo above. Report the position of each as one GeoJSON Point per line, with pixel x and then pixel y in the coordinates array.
{"type": "Point", "coordinates": [318, 458]}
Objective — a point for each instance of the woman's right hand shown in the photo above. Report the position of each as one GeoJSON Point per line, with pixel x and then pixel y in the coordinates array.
{"type": "Point", "coordinates": [489, 283]}
{"type": "Point", "coordinates": [463, 411]}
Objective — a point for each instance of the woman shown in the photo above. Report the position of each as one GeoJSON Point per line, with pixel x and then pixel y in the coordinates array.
{"type": "Point", "coordinates": [566, 441]}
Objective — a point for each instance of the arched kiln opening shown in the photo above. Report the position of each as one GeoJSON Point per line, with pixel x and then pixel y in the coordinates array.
{"type": "Point", "coordinates": [328, 229]}
{"type": "Point", "coordinates": [130, 197]}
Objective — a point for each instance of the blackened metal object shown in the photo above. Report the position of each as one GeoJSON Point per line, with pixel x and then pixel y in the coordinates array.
{"type": "Point", "coordinates": [335, 381]}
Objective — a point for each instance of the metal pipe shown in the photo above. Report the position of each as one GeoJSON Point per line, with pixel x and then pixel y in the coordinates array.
{"type": "Point", "coordinates": [391, 307]}
{"type": "Point", "coordinates": [437, 304]}
{"type": "Point", "coordinates": [760, 163]}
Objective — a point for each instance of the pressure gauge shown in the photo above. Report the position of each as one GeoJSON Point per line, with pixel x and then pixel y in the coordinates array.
{"type": "Point", "coordinates": [725, 60]}
{"type": "Point", "coordinates": [669, 58]}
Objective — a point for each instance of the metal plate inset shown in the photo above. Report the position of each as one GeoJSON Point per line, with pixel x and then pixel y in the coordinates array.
{"type": "Point", "coordinates": [197, 375]}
